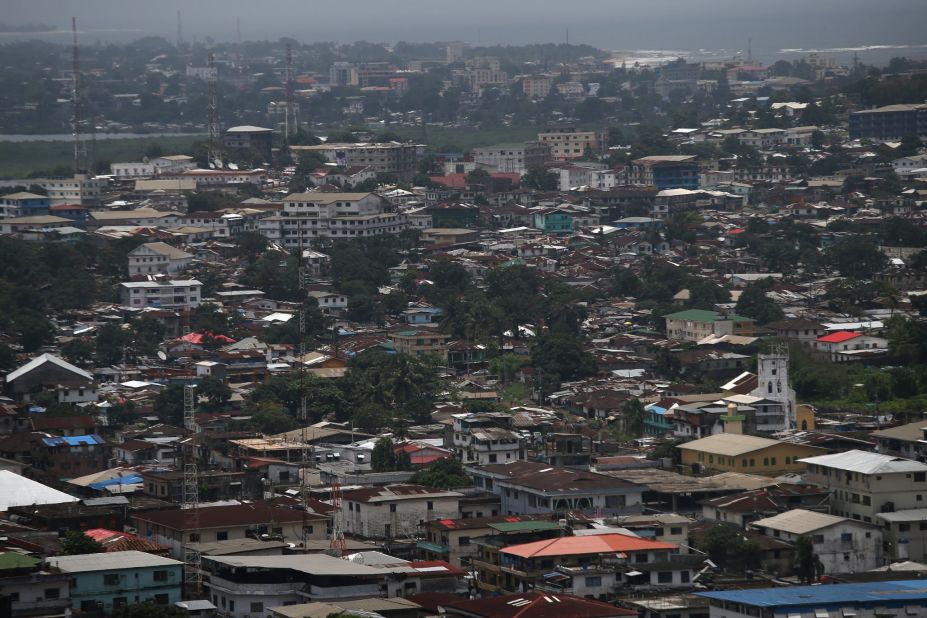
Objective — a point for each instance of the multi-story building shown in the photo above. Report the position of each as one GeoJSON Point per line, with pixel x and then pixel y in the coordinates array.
{"type": "Point", "coordinates": [536, 86]}
{"type": "Point", "coordinates": [152, 167]}
{"type": "Point", "coordinates": [106, 582]}
{"type": "Point", "coordinates": [516, 159]}
{"type": "Point", "coordinates": [453, 540]}
{"type": "Point", "coordinates": [596, 566]}
{"type": "Point", "coordinates": [569, 143]}
{"type": "Point", "coordinates": [47, 372]}
{"type": "Point", "coordinates": [842, 545]}
{"type": "Point", "coordinates": [342, 74]}
{"type": "Point", "coordinates": [384, 158]}
{"type": "Point", "coordinates": [157, 258]}
{"type": "Point", "coordinates": [395, 511]}
{"type": "Point", "coordinates": [23, 204]}
{"type": "Point", "coordinates": [174, 528]}
{"type": "Point", "coordinates": [531, 488]}
{"type": "Point", "coordinates": [696, 324]}
{"type": "Point", "coordinates": [163, 294]}
{"type": "Point", "coordinates": [482, 439]}
{"type": "Point", "coordinates": [776, 411]}
{"type": "Point", "coordinates": [730, 452]}
{"type": "Point", "coordinates": [665, 172]}
{"type": "Point", "coordinates": [420, 341]}
{"type": "Point", "coordinates": [30, 589]}
{"type": "Point", "coordinates": [79, 189]}
{"type": "Point", "coordinates": [865, 484]}
{"type": "Point", "coordinates": [248, 137]}
{"type": "Point", "coordinates": [891, 122]}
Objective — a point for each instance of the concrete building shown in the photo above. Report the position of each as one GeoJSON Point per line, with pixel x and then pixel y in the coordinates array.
{"type": "Point", "coordinates": [905, 533]}
{"type": "Point", "coordinates": [157, 258]}
{"type": "Point", "coordinates": [866, 484]}
{"type": "Point", "coordinates": [23, 204]}
{"type": "Point", "coordinates": [79, 189]}
{"type": "Point", "coordinates": [665, 172]}
{"type": "Point", "coordinates": [891, 122]}
{"type": "Point", "coordinates": [536, 86]}
{"type": "Point", "coordinates": [569, 143]}
{"type": "Point", "coordinates": [108, 581]}
{"type": "Point", "coordinates": [842, 545]}
{"type": "Point", "coordinates": [384, 158]}
{"type": "Point", "coordinates": [165, 294]}
{"type": "Point", "coordinates": [420, 341]}
{"type": "Point", "coordinates": [731, 452]}
{"type": "Point", "coordinates": [696, 324]}
{"type": "Point", "coordinates": [513, 158]}
{"type": "Point", "coordinates": [481, 439]}
{"type": "Point", "coordinates": [249, 137]}
{"type": "Point", "coordinates": [777, 411]}
{"type": "Point", "coordinates": [30, 589]}
{"type": "Point", "coordinates": [396, 511]}
{"type": "Point", "coordinates": [224, 523]}
{"type": "Point", "coordinates": [590, 565]}
{"type": "Point", "coordinates": [533, 488]}
{"type": "Point", "coordinates": [47, 372]}
{"type": "Point", "coordinates": [848, 346]}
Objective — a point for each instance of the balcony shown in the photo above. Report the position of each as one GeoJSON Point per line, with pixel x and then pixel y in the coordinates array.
{"type": "Point", "coordinates": [435, 548]}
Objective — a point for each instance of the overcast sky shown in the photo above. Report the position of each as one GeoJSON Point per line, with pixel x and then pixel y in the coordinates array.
{"type": "Point", "coordinates": [609, 24]}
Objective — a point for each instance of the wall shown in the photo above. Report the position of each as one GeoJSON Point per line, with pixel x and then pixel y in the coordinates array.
{"type": "Point", "coordinates": [376, 520]}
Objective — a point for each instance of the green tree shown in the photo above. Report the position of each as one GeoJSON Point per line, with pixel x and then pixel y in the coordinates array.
{"type": "Point", "coordinates": [808, 566]}
{"type": "Point", "coordinates": [855, 257]}
{"type": "Point", "coordinates": [272, 418]}
{"type": "Point", "coordinates": [208, 318]}
{"type": "Point", "coordinates": [443, 474]}
{"type": "Point", "coordinates": [110, 344]}
{"type": "Point", "coordinates": [79, 351]}
{"type": "Point", "coordinates": [383, 458]}
{"type": "Point", "coordinates": [75, 542]}
{"type": "Point", "coordinates": [168, 405]}
{"type": "Point", "coordinates": [753, 303]}
{"type": "Point", "coordinates": [216, 392]}
{"type": "Point", "coordinates": [540, 179]}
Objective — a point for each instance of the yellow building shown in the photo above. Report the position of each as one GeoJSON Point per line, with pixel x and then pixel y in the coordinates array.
{"type": "Point", "coordinates": [732, 452]}
{"type": "Point", "coordinates": [420, 341]}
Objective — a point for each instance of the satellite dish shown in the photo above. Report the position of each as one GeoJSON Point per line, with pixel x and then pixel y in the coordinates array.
{"type": "Point", "coordinates": [212, 165]}
{"type": "Point", "coordinates": [233, 166]}
{"type": "Point", "coordinates": [162, 355]}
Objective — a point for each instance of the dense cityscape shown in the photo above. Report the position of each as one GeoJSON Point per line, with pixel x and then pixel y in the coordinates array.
{"type": "Point", "coordinates": [298, 329]}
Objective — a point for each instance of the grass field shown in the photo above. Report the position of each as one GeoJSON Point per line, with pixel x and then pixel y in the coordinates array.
{"type": "Point", "coordinates": [19, 159]}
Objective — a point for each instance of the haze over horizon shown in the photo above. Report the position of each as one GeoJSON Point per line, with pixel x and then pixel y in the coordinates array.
{"type": "Point", "coordinates": [607, 24]}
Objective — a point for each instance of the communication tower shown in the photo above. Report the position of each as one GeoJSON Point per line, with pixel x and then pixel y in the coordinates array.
{"type": "Point", "coordinates": [191, 497]}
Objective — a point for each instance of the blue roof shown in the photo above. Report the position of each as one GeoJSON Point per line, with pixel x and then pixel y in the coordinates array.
{"type": "Point", "coordinates": [89, 439]}
{"type": "Point", "coordinates": [131, 479]}
{"type": "Point", "coordinates": [875, 593]}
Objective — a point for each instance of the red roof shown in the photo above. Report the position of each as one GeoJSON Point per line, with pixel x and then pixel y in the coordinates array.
{"type": "Point", "coordinates": [579, 545]}
{"type": "Point", "coordinates": [839, 337]}
{"type": "Point", "coordinates": [199, 338]}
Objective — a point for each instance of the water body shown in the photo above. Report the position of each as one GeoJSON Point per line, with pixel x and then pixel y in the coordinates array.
{"type": "Point", "coordinates": [67, 137]}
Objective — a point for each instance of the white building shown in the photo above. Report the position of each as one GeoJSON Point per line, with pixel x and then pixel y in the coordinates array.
{"type": "Point", "coordinates": [162, 294]}
{"type": "Point", "coordinates": [396, 510]}
{"type": "Point", "coordinates": [842, 545]}
{"type": "Point", "coordinates": [79, 189]}
{"type": "Point", "coordinates": [157, 258]}
{"type": "Point", "coordinates": [482, 439]}
{"type": "Point", "coordinates": [777, 411]}
{"type": "Point", "coordinates": [865, 484]}
{"type": "Point", "coordinates": [153, 167]}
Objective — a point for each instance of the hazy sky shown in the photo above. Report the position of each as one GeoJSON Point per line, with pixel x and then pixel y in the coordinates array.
{"type": "Point", "coordinates": [610, 24]}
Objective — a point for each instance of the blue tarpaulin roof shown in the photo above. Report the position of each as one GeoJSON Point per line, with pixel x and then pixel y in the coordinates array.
{"type": "Point", "coordinates": [88, 440]}
{"type": "Point", "coordinates": [131, 479]}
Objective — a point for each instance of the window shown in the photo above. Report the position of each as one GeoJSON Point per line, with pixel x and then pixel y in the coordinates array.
{"type": "Point", "coordinates": [665, 577]}
{"type": "Point", "coordinates": [464, 540]}
{"type": "Point", "coordinates": [675, 531]}
{"type": "Point", "coordinates": [846, 536]}
{"type": "Point", "coordinates": [52, 593]}
{"type": "Point", "coordinates": [120, 602]}
{"type": "Point", "coordinates": [257, 607]}
{"type": "Point", "coordinates": [160, 576]}
{"type": "Point", "coordinates": [772, 460]}
{"type": "Point", "coordinates": [684, 577]}
{"type": "Point", "coordinates": [392, 508]}
{"type": "Point", "coordinates": [594, 582]}
{"type": "Point", "coordinates": [817, 538]}
{"type": "Point", "coordinates": [231, 605]}
{"type": "Point", "coordinates": [222, 535]}
{"type": "Point", "coordinates": [904, 527]}
{"type": "Point", "coordinates": [110, 579]}
{"type": "Point", "coordinates": [919, 477]}
{"type": "Point", "coordinates": [430, 505]}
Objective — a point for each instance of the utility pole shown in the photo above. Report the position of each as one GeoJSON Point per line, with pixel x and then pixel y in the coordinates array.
{"type": "Point", "coordinates": [179, 30]}
{"type": "Point", "coordinates": [289, 95]}
{"type": "Point", "coordinates": [212, 114]}
{"type": "Point", "coordinates": [80, 149]}
{"type": "Point", "coordinates": [191, 493]}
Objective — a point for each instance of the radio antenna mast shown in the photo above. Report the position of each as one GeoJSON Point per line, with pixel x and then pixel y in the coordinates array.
{"type": "Point", "coordinates": [80, 149]}
{"type": "Point", "coordinates": [212, 112]}
{"type": "Point", "coordinates": [191, 496]}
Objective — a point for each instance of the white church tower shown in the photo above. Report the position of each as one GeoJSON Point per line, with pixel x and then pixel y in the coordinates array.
{"type": "Point", "coordinates": [776, 411]}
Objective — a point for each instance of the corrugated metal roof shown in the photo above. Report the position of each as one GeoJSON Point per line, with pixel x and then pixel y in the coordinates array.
{"type": "Point", "coordinates": [866, 463]}
{"type": "Point", "coordinates": [110, 561]}
{"type": "Point", "coordinates": [799, 521]}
